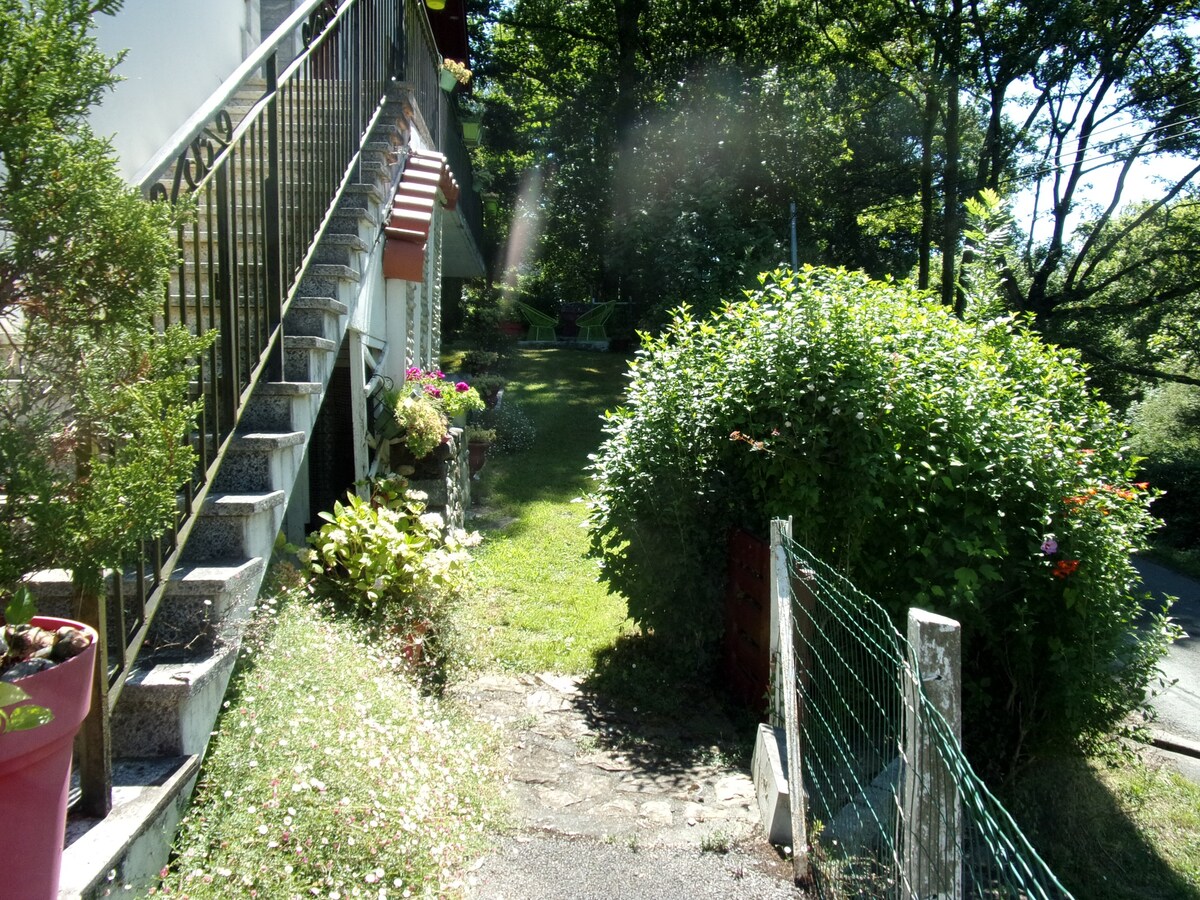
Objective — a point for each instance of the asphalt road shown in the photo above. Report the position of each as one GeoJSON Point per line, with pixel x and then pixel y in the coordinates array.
{"type": "Point", "coordinates": [1179, 704]}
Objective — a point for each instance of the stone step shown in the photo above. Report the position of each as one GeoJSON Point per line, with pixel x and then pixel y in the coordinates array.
{"type": "Point", "coordinates": [169, 703]}
{"type": "Point", "coordinates": [261, 461]}
{"type": "Point", "coordinates": [236, 526]}
{"type": "Point", "coordinates": [317, 317]}
{"type": "Point", "coordinates": [282, 406]}
{"type": "Point", "coordinates": [307, 358]}
{"type": "Point", "coordinates": [205, 605]}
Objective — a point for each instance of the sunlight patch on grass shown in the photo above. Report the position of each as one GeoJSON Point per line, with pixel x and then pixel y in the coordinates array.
{"type": "Point", "coordinates": [1129, 830]}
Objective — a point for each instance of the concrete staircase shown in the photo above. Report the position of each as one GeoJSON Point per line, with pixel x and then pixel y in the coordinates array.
{"type": "Point", "coordinates": [165, 715]}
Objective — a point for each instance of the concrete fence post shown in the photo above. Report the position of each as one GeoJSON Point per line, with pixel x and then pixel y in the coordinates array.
{"type": "Point", "coordinates": [929, 837]}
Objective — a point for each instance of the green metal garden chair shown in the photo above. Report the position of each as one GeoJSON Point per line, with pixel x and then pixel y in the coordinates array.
{"type": "Point", "coordinates": [591, 323]}
{"type": "Point", "coordinates": [541, 326]}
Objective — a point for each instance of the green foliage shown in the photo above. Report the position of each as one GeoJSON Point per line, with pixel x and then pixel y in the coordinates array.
{"type": "Point", "coordinates": [23, 718]}
{"type": "Point", "coordinates": [420, 423]}
{"type": "Point", "coordinates": [331, 773]}
{"type": "Point", "coordinates": [389, 562]}
{"type": "Point", "coordinates": [92, 448]}
{"type": "Point", "coordinates": [1165, 427]}
{"type": "Point", "coordinates": [419, 411]}
{"type": "Point", "coordinates": [961, 467]}
{"type": "Point", "coordinates": [1165, 423]}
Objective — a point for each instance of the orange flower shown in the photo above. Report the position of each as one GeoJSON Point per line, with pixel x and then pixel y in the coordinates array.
{"type": "Point", "coordinates": [1065, 567]}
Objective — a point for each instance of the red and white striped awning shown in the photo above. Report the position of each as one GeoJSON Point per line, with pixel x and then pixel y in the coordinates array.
{"type": "Point", "coordinates": [425, 183]}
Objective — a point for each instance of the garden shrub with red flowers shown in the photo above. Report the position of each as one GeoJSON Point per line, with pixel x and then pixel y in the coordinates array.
{"type": "Point", "coordinates": [963, 467]}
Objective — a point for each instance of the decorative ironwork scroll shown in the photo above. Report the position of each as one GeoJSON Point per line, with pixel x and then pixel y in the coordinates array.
{"type": "Point", "coordinates": [197, 159]}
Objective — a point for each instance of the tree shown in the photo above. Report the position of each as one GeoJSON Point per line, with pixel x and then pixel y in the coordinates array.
{"type": "Point", "coordinates": [94, 410]}
{"type": "Point", "coordinates": [676, 184]}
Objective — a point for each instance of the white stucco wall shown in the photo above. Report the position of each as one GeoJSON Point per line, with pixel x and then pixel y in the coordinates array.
{"type": "Point", "coordinates": [179, 53]}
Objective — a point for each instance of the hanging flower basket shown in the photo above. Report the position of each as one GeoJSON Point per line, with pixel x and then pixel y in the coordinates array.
{"type": "Point", "coordinates": [458, 74]}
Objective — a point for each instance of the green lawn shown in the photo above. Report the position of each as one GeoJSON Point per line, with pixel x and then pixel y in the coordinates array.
{"type": "Point", "coordinates": [537, 603]}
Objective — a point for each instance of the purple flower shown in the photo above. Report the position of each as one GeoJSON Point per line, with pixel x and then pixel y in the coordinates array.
{"type": "Point", "coordinates": [432, 391]}
{"type": "Point", "coordinates": [462, 386]}
{"type": "Point", "coordinates": [1049, 546]}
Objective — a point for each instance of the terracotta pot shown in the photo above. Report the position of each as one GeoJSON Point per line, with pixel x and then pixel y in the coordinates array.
{"type": "Point", "coordinates": [35, 773]}
{"type": "Point", "coordinates": [476, 456]}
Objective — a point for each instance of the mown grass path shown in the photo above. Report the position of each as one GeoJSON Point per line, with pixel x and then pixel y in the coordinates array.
{"type": "Point", "coordinates": [537, 603]}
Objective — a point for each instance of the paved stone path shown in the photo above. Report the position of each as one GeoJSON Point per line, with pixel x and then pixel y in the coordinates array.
{"type": "Point", "coordinates": [610, 807]}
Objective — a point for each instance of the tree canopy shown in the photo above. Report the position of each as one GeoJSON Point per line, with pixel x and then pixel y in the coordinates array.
{"type": "Point", "coordinates": [670, 140]}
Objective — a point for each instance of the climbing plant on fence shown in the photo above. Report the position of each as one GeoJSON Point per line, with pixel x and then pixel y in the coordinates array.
{"type": "Point", "coordinates": [959, 466]}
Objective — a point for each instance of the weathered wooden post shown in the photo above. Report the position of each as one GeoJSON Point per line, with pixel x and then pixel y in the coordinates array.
{"type": "Point", "coordinates": [929, 830]}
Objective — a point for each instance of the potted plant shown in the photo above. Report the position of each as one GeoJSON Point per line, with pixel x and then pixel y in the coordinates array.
{"type": "Point", "coordinates": [478, 441]}
{"type": "Point", "coordinates": [452, 74]}
{"type": "Point", "coordinates": [490, 388]}
{"type": "Point", "coordinates": [46, 671]}
{"type": "Point", "coordinates": [417, 414]}
{"type": "Point", "coordinates": [470, 116]}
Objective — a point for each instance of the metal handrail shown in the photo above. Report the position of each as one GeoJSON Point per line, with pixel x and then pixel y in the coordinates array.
{"type": "Point", "coordinates": [261, 192]}
{"type": "Point", "coordinates": [219, 100]}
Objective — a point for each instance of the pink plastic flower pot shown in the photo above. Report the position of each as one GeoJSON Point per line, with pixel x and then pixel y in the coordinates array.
{"type": "Point", "coordinates": [35, 773]}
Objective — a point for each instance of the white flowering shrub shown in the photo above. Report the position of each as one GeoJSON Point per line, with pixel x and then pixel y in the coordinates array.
{"type": "Point", "coordinates": [395, 565]}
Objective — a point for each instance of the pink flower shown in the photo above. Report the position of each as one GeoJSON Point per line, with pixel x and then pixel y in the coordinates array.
{"type": "Point", "coordinates": [462, 386]}
{"type": "Point", "coordinates": [1050, 546]}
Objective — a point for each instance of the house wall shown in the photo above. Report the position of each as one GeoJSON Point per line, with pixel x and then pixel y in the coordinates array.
{"type": "Point", "coordinates": [180, 51]}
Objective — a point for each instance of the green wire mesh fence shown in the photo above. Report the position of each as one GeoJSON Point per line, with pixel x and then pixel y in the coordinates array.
{"type": "Point", "coordinates": [890, 807]}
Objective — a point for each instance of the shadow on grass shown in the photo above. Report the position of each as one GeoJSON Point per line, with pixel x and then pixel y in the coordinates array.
{"type": "Point", "coordinates": [1085, 835]}
{"type": "Point", "coordinates": [646, 701]}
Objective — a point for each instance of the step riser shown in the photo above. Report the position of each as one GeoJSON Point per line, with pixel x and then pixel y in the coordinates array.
{"type": "Point", "coordinates": [315, 322]}
{"type": "Point", "coordinates": [279, 412]}
{"type": "Point", "coordinates": [203, 607]}
{"type": "Point", "coordinates": [252, 472]}
{"type": "Point", "coordinates": [308, 365]}
{"type": "Point", "coordinates": [220, 535]}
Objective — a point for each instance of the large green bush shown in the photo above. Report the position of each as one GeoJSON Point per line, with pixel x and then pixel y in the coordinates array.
{"type": "Point", "coordinates": [959, 467]}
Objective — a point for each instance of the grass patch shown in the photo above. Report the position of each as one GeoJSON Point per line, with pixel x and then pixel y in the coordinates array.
{"type": "Point", "coordinates": [1129, 830]}
{"type": "Point", "coordinates": [1183, 561]}
{"type": "Point", "coordinates": [331, 775]}
{"type": "Point", "coordinates": [537, 603]}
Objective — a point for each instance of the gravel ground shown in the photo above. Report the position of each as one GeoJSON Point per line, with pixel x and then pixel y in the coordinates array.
{"type": "Point", "coordinates": [611, 807]}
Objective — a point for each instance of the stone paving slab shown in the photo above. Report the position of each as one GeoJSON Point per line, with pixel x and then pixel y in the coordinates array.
{"type": "Point", "coordinates": [582, 791]}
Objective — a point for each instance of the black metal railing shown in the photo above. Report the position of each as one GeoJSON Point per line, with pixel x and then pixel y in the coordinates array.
{"type": "Point", "coordinates": [422, 65]}
{"type": "Point", "coordinates": [257, 191]}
